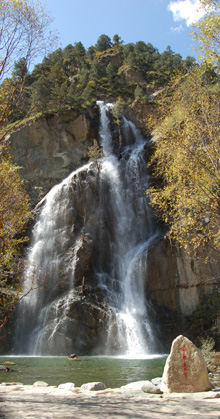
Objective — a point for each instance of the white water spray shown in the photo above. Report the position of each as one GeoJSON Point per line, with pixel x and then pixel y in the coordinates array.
{"type": "Point", "coordinates": [123, 232]}
{"type": "Point", "coordinates": [132, 234]}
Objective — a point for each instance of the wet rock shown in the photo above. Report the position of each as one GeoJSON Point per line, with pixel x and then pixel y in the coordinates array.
{"type": "Point", "coordinates": [185, 369]}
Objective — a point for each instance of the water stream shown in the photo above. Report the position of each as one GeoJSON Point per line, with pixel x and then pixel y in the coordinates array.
{"type": "Point", "coordinates": [117, 223]}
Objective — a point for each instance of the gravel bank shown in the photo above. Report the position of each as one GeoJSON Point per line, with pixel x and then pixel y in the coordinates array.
{"type": "Point", "coordinates": [19, 401]}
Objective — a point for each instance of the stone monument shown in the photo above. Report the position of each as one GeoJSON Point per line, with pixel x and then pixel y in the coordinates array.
{"type": "Point", "coordinates": [185, 370]}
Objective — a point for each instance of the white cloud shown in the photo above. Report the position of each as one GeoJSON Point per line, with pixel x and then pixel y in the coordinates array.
{"type": "Point", "coordinates": [187, 10]}
{"type": "Point", "coordinates": [177, 28]}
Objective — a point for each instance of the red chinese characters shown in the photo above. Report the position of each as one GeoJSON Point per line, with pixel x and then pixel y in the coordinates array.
{"type": "Point", "coordinates": [184, 356]}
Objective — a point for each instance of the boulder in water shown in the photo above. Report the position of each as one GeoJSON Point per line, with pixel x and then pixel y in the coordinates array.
{"type": "Point", "coordinates": [5, 369]}
{"type": "Point", "coordinates": [8, 363]}
{"type": "Point", "coordinates": [185, 370]}
{"type": "Point", "coordinates": [74, 357]}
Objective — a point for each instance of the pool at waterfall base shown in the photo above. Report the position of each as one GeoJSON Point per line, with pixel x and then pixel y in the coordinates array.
{"type": "Point", "coordinates": [112, 371]}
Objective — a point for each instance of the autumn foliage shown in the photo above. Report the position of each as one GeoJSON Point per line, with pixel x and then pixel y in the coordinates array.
{"type": "Point", "coordinates": [206, 31]}
{"type": "Point", "coordinates": [186, 124]}
{"type": "Point", "coordinates": [14, 212]}
{"type": "Point", "coordinates": [24, 34]}
{"type": "Point", "coordinates": [187, 158]}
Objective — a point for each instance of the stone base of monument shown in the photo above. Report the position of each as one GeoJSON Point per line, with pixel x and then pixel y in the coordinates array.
{"type": "Point", "coordinates": [185, 370]}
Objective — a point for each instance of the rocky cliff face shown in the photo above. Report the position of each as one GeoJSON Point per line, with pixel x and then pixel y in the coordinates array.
{"type": "Point", "coordinates": [47, 151]}
{"type": "Point", "coordinates": [178, 284]}
{"type": "Point", "coordinates": [52, 147]}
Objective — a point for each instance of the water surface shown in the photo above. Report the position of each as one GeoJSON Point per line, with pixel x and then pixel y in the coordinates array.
{"type": "Point", "coordinates": [113, 372]}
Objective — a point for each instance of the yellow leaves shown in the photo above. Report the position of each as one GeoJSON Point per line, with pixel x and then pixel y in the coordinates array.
{"type": "Point", "coordinates": [6, 91]}
{"type": "Point", "coordinates": [207, 32]}
{"type": "Point", "coordinates": [24, 34]}
{"type": "Point", "coordinates": [24, 31]}
{"type": "Point", "coordinates": [14, 211]}
{"type": "Point", "coordinates": [186, 159]}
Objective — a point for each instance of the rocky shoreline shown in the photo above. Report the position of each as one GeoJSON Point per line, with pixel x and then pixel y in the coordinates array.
{"type": "Point", "coordinates": [185, 368]}
{"type": "Point", "coordinates": [67, 401]}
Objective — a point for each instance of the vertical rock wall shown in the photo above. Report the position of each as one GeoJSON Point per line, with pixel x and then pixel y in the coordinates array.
{"type": "Point", "coordinates": [52, 147]}
{"type": "Point", "coordinates": [178, 284]}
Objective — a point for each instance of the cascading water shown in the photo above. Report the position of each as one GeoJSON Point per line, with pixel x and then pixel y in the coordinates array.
{"type": "Point", "coordinates": [131, 232]}
{"type": "Point", "coordinates": [42, 311]}
{"type": "Point", "coordinates": [100, 211]}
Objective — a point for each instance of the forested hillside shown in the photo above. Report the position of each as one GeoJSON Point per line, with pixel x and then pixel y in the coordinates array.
{"type": "Point", "coordinates": [74, 77]}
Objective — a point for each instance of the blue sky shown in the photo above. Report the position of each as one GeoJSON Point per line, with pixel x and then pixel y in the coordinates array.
{"type": "Point", "coordinates": [160, 22]}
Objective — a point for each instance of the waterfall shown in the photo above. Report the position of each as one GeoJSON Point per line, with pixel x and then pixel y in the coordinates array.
{"type": "Point", "coordinates": [50, 275]}
{"type": "Point", "coordinates": [94, 228]}
{"type": "Point", "coordinates": [131, 232]}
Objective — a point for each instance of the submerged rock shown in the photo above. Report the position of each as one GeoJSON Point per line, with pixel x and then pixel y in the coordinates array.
{"type": "Point", "coordinates": [185, 370]}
